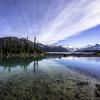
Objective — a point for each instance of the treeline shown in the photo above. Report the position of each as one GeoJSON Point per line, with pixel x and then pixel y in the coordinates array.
{"type": "Point", "coordinates": [15, 46]}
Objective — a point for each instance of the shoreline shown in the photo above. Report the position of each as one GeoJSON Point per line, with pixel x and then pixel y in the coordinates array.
{"type": "Point", "coordinates": [76, 54]}
{"type": "Point", "coordinates": [64, 54]}
{"type": "Point", "coordinates": [23, 55]}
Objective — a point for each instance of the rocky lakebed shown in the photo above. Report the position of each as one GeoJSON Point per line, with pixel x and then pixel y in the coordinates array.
{"type": "Point", "coordinates": [58, 84]}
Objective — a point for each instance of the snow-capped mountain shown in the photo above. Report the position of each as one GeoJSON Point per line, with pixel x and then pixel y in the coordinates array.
{"type": "Point", "coordinates": [90, 48]}
{"type": "Point", "coordinates": [70, 48]}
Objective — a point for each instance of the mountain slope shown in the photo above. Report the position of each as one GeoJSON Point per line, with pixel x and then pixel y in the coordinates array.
{"type": "Point", "coordinates": [91, 48]}
{"type": "Point", "coordinates": [18, 43]}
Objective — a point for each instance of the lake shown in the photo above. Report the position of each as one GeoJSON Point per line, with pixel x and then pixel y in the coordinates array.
{"type": "Point", "coordinates": [50, 78]}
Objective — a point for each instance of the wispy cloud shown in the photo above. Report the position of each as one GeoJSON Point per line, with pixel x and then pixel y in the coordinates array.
{"type": "Point", "coordinates": [50, 20]}
{"type": "Point", "coordinates": [75, 17]}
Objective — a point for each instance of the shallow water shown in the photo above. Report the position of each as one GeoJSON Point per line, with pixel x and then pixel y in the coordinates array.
{"type": "Point", "coordinates": [50, 78]}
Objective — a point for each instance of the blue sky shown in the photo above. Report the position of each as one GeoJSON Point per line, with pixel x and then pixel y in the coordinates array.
{"type": "Point", "coordinates": [87, 37]}
{"type": "Point", "coordinates": [66, 22]}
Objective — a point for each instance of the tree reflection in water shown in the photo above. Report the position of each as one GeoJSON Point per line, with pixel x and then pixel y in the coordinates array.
{"type": "Point", "coordinates": [9, 63]}
{"type": "Point", "coordinates": [35, 65]}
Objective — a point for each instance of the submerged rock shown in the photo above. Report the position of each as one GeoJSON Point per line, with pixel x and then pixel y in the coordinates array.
{"type": "Point", "coordinates": [97, 91]}
{"type": "Point", "coordinates": [82, 83]}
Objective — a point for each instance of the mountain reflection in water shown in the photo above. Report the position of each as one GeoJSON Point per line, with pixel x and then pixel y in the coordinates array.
{"type": "Point", "coordinates": [87, 65]}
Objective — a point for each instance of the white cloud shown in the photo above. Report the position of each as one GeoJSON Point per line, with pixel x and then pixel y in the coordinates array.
{"type": "Point", "coordinates": [77, 16]}
{"type": "Point", "coordinates": [49, 20]}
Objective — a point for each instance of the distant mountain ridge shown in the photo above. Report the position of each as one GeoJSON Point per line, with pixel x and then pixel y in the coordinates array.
{"type": "Point", "coordinates": [19, 42]}
{"type": "Point", "coordinates": [91, 48]}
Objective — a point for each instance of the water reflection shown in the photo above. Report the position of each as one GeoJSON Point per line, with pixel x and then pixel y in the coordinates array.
{"type": "Point", "coordinates": [18, 63]}
{"type": "Point", "coordinates": [87, 65]}
{"type": "Point", "coordinates": [90, 65]}
{"type": "Point", "coordinates": [35, 65]}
